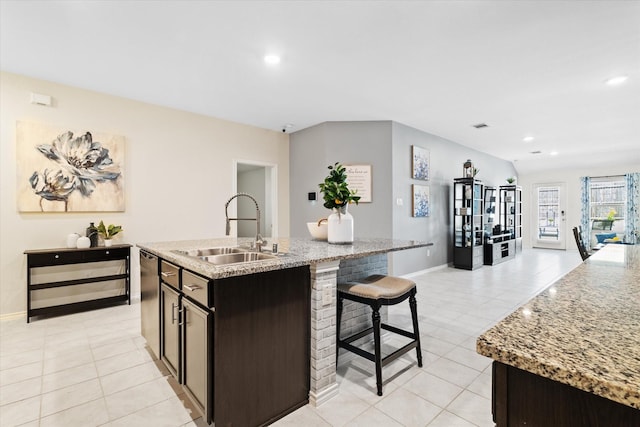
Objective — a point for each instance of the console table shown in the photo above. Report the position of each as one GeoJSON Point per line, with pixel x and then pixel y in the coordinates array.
{"type": "Point", "coordinates": [63, 280]}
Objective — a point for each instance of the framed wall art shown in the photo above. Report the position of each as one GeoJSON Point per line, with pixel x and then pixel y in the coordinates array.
{"type": "Point", "coordinates": [359, 179]}
{"type": "Point", "coordinates": [68, 170]}
{"type": "Point", "coordinates": [421, 206]}
{"type": "Point", "coordinates": [420, 165]}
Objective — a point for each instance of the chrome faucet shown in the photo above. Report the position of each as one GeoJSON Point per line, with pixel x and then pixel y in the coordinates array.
{"type": "Point", "coordinates": [259, 240]}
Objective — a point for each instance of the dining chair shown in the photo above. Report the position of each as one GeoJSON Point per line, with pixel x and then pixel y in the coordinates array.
{"type": "Point", "coordinates": [581, 248]}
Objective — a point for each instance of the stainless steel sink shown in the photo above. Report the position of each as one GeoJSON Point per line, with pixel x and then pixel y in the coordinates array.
{"type": "Point", "coordinates": [232, 258]}
{"type": "Point", "coordinates": [214, 251]}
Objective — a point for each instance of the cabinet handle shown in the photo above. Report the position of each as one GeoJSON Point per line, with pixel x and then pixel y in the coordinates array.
{"type": "Point", "coordinates": [57, 256]}
{"type": "Point", "coordinates": [168, 274]}
{"type": "Point", "coordinates": [191, 287]}
{"type": "Point", "coordinates": [182, 316]}
{"type": "Point", "coordinates": [173, 310]}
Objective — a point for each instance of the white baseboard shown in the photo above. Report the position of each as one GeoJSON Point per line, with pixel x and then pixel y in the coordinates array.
{"type": "Point", "coordinates": [428, 270]}
{"type": "Point", "coordinates": [317, 399]}
{"type": "Point", "coordinates": [13, 316]}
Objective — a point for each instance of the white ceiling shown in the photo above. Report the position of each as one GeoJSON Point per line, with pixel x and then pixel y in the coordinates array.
{"type": "Point", "coordinates": [523, 67]}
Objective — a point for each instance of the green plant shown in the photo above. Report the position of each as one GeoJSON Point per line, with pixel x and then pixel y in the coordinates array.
{"type": "Point", "coordinates": [108, 232]}
{"type": "Point", "coordinates": [336, 190]}
{"type": "Point", "coordinates": [511, 179]}
{"type": "Point", "coordinates": [612, 215]}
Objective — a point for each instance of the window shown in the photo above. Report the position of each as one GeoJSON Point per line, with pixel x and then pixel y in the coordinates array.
{"type": "Point", "coordinates": [608, 199]}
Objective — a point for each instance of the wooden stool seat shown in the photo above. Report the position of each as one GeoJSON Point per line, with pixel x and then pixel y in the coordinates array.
{"type": "Point", "coordinates": [376, 291]}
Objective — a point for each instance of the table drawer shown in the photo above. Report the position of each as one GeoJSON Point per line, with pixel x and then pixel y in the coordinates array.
{"type": "Point", "coordinates": [196, 288]}
{"type": "Point", "coordinates": [170, 274]}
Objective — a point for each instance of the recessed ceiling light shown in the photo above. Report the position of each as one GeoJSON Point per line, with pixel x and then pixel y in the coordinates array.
{"type": "Point", "coordinates": [272, 59]}
{"type": "Point", "coordinates": [553, 153]}
{"type": "Point", "coordinates": [480, 125]}
{"type": "Point", "coordinates": [536, 152]}
{"type": "Point", "coordinates": [528, 138]}
{"type": "Point", "coordinates": [616, 80]}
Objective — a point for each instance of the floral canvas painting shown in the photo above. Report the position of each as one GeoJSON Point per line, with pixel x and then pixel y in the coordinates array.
{"type": "Point", "coordinates": [420, 163]}
{"type": "Point", "coordinates": [421, 207]}
{"type": "Point", "coordinates": [69, 170]}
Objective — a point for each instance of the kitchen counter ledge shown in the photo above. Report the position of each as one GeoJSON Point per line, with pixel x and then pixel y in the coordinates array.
{"type": "Point", "coordinates": [292, 252]}
{"type": "Point", "coordinates": [583, 331]}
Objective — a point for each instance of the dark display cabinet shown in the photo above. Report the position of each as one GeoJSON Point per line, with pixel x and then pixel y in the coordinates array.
{"type": "Point", "coordinates": [468, 223]}
{"type": "Point", "coordinates": [511, 212]}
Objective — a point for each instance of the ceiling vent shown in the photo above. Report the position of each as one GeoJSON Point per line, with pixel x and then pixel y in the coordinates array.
{"type": "Point", "coordinates": [536, 152]}
{"type": "Point", "coordinates": [481, 125]}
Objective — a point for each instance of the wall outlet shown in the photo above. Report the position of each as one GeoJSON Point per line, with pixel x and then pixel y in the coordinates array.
{"type": "Point", "coordinates": [326, 295]}
{"type": "Point", "coordinates": [399, 202]}
{"type": "Point", "coordinates": [428, 252]}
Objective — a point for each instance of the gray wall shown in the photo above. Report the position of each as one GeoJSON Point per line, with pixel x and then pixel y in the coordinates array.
{"type": "Point", "coordinates": [313, 149]}
{"type": "Point", "coordinates": [446, 158]}
{"type": "Point", "coordinates": [386, 146]}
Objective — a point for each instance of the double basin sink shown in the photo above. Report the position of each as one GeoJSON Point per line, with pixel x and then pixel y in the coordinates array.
{"type": "Point", "coordinates": [227, 255]}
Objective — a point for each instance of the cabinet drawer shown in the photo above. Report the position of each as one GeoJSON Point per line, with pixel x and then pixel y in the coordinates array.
{"type": "Point", "coordinates": [170, 274]}
{"type": "Point", "coordinates": [54, 258]}
{"type": "Point", "coordinates": [104, 254]}
{"type": "Point", "coordinates": [196, 288]}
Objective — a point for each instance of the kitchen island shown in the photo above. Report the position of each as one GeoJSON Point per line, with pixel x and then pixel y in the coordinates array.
{"type": "Point", "coordinates": [268, 327]}
{"type": "Point", "coordinates": [571, 355]}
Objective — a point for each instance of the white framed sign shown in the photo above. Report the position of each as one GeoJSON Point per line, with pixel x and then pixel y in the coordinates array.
{"type": "Point", "coordinates": [359, 179]}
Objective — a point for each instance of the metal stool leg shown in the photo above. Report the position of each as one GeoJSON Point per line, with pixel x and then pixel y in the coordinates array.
{"type": "Point", "coordinates": [376, 338]}
{"type": "Point", "coordinates": [416, 331]}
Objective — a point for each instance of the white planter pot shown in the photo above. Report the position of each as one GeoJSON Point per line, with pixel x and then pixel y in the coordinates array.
{"type": "Point", "coordinates": [108, 242]}
{"type": "Point", "coordinates": [340, 227]}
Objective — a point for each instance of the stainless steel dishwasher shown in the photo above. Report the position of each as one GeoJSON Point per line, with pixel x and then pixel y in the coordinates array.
{"type": "Point", "coordinates": [149, 301]}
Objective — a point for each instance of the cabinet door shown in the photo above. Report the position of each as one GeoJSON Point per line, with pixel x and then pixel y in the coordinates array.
{"type": "Point", "coordinates": [197, 363]}
{"type": "Point", "coordinates": [170, 330]}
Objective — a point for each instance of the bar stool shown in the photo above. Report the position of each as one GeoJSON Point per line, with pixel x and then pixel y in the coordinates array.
{"type": "Point", "coordinates": [376, 291]}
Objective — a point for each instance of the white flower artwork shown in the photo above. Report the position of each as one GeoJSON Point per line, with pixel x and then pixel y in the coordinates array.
{"type": "Point", "coordinates": [62, 170]}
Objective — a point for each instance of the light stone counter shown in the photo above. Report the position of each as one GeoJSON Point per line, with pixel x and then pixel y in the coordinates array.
{"type": "Point", "coordinates": [583, 331]}
{"type": "Point", "coordinates": [292, 252]}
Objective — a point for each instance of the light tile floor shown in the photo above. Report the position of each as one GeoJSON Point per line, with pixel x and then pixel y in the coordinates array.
{"type": "Point", "coordinates": [92, 368]}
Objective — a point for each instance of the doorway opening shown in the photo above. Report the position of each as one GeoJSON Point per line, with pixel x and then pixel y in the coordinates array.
{"type": "Point", "coordinates": [549, 226]}
{"type": "Point", "coordinates": [260, 181]}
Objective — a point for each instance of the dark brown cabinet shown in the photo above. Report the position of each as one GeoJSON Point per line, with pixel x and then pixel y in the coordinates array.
{"type": "Point", "coordinates": [240, 346]}
{"type": "Point", "coordinates": [262, 346]}
{"type": "Point", "coordinates": [521, 398]}
{"type": "Point", "coordinates": [67, 280]}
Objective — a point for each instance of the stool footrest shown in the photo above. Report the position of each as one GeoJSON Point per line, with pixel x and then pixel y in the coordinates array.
{"type": "Point", "coordinates": [398, 331]}
{"type": "Point", "coordinates": [346, 344]}
{"type": "Point", "coordinates": [357, 336]}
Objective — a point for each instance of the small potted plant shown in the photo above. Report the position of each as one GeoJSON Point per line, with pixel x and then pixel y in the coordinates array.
{"type": "Point", "coordinates": [337, 197]}
{"type": "Point", "coordinates": [108, 232]}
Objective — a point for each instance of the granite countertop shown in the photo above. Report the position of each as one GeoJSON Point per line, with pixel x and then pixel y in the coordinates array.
{"type": "Point", "coordinates": [292, 252]}
{"type": "Point", "coordinates": [584, 330]}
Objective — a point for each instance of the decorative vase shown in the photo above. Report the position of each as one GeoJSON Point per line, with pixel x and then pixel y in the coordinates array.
{"type": "Point", "coordinates": [83, 242]}
{"type": "Point", "coordinates": [108, 242]}
{"type": "Point", "coordinates": [340, 226]}
{"type": "Point", "coordinates": [72, 240]}
{"type": "Point", "coordinates": [92, 234]}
